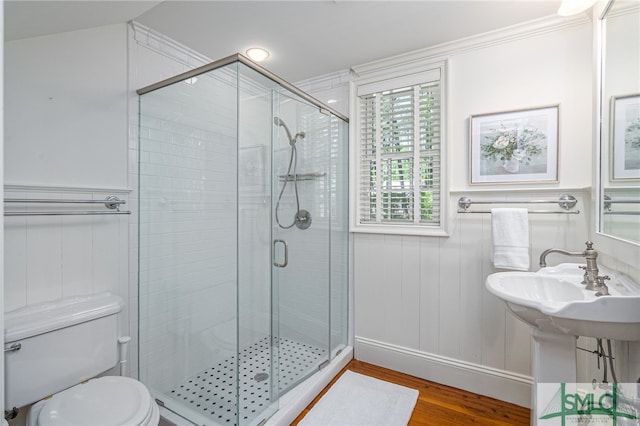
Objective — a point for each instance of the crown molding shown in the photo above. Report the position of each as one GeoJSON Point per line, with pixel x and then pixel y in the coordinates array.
{"type": "Point", "coordinates": [426, 56]}
{"type": "Point", "coordinates": [166, 46]}
{"type": "Point", "coordinates": [326, 81]}
{"type": "Point", "coordinates": [191, 59]}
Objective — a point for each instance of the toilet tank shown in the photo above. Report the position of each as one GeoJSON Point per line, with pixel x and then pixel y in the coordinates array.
{"type": "Point", "coordinates": [62, 343]}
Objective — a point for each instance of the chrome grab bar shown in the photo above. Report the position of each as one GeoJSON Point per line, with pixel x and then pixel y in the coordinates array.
{"type": "Point", "coordinates": [566, 202]}
{"type": "Point", "coordinates": [286, 253]}
{"type": "Point", "coordinates": [14, 348]}
{"type": "Point", "coordinates": [111, 202]}
{"type": "Point", "coordinates": [69, 213]}
{"type": "Point", "coordinates": [607, 201]}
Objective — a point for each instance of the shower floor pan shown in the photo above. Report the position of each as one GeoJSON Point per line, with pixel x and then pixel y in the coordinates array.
{"type": "Point", "coordinates": [211, 393]}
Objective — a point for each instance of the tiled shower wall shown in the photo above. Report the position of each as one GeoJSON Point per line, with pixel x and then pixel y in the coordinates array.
{"type": "Point", "coordinates": [187, 264]}
{"type": "Point", "coordinates": [312, 286]}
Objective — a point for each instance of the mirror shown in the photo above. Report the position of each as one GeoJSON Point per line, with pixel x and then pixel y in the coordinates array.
{"type": "Point", "coordinates": [619, 204]}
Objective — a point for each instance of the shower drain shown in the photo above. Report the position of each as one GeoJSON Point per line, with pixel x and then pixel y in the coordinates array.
{"type": "Point", "coordinates": [261, 377]}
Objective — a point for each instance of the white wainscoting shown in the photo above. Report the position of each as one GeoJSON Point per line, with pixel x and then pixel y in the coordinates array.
{"type": "Point", "coordinates": [421, 306]}
{"type": "Point", "coordinates": [51, 257]}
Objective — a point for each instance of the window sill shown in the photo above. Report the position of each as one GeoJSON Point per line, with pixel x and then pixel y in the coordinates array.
{"type": "Point", "coordinates": [423, 231]}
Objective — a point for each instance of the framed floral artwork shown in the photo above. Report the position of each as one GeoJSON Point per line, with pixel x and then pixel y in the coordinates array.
{"type": "Point", "coordinates": [625, 137]}
{"type": "Point", "coordinates": [515, 146]}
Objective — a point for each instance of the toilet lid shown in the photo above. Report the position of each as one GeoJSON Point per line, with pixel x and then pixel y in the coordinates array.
{"type": "Point", "coordinates": [112, 401]}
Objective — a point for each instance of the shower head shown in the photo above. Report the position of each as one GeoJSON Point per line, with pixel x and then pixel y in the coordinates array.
{"type": "Point", "coordinates": [278, 122]}
{"type": "Point", "coordinates": [292, 140]}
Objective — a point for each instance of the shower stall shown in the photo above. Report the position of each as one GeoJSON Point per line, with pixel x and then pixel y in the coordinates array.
{"type": "Point", "coordinates": [243, 241]}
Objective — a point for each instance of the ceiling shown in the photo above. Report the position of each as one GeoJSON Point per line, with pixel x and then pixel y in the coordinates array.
{"type": "Point", "coordinates": [306, 38]}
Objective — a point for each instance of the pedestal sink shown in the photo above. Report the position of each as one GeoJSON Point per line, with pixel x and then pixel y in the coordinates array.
{"type": "Point", "coordinates": [553, 299]}
{"type": "Point", "coordinates": [559, 309]}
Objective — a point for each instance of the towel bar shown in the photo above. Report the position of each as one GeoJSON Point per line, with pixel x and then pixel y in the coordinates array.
{"type": "Point", "coordinates": [111, 202]}
{"type": "Point", "coordinates": [565, 202]}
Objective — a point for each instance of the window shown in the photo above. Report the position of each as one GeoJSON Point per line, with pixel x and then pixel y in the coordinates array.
{"type": "Point", "coordinates": [400, 178]}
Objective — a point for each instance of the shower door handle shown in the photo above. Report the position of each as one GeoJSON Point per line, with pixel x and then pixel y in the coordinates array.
{"type": "Point", "coordinates": [285, 262]}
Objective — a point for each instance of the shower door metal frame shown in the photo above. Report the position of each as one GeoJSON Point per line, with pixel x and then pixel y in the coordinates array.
{"type": "Point", "coordinates": [237, 57]}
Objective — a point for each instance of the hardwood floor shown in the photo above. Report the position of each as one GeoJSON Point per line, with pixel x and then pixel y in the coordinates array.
{"type": "Point", "coordinates": [440, 405]}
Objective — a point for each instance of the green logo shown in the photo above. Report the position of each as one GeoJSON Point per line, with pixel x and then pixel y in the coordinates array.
{"type": "Point", "coordinates": [598, 405]}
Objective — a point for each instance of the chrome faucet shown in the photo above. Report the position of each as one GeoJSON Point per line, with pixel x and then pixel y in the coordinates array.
{"type": "Point", "coordinates": [591, 278]}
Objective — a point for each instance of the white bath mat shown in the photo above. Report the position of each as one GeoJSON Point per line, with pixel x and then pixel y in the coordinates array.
{"type": "Point", "coordinates": [355, 399]}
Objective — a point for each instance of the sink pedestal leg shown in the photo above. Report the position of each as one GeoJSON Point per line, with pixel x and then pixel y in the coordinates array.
{"type": "Point", "coordinates": [554, 359]}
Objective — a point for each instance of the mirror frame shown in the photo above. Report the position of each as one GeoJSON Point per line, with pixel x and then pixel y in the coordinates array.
{"type": "Point", "coordinates": [621, 249]}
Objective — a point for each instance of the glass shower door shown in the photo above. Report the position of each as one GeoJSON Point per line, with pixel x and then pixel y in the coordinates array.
{"type": "Point", "coordinates": [188, 266]}
{"type": "Point", "coordinates": [301, 206]}
{"type": "Point", "coordinates": [206, 337]}
{"type": "Point", "coordinates": [257, 303]}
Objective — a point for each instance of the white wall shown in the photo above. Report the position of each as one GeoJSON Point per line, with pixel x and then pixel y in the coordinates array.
{"type": "Point", "coordinates": [547, 69]}
{"type": "Point", "coordinates": [67, 121]}
{"type": "Point", "coordinates": [66, 138]}
{"type": "Point", "coordinates": [420, 302]}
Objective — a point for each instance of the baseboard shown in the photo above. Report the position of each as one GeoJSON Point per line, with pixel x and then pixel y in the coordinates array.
{"type": "Point", "coordinates": [503, 385]}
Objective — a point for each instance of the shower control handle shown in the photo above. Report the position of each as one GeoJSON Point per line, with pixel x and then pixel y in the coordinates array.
{"type": "Point", "coordinates": [285, 262]}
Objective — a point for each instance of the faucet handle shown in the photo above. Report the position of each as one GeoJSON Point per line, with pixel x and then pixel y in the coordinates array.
{"type": "Point", "coordinates": [602, 289]}
{"type": "Point", "coordinates": [589, 245]}
{"type": "Point", "coordinates": [584, 278]}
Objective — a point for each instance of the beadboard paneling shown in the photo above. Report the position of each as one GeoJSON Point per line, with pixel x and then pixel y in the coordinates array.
{"type": "Point", "coordinates": [426, 295]}
{"type": "Point", "coordinates": [429, 294]}
{"type": "Point", "coordinates": [50, 257]}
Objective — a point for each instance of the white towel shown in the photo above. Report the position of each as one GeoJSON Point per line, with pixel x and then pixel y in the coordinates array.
{"type": "Point", "coordinates": [510, 231]}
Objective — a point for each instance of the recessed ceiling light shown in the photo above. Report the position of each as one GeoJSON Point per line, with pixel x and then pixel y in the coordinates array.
{"type": "Point", "coordinates": [257, 54]}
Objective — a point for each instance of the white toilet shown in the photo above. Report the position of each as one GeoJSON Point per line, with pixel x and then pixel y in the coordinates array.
{"type": "Point", "coordinates": [54, 351]}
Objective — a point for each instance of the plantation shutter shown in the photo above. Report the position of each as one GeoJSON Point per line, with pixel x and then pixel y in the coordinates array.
{"type": "Point", "coordinates": [399, 153]}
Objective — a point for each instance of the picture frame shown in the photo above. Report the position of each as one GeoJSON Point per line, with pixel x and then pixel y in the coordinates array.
{"type": "Point", "coordinates": [519, 146]}
{"type": "Point", "coordinates": [625, 137]}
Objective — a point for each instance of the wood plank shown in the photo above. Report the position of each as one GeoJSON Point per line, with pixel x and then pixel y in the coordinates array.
{"type": "Point", "coordinates": [439, 404]}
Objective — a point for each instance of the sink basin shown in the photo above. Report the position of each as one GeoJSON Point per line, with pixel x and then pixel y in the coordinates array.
{"type": "Point", "coordinates": [553, 299]}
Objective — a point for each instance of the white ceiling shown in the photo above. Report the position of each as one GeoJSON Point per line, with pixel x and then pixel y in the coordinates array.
{"type": "Point", "coordinates": [306, 38]}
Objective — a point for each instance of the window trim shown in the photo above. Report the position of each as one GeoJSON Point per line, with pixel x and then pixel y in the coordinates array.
{"type": "Point", "coordinates": [385, 79]}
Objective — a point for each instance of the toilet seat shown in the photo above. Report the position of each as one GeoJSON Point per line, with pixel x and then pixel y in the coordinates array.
{"type": "Point", "coordinates": [105, 401]}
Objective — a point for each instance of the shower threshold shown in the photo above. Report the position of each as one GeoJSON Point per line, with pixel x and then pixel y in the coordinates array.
{"type": "Point", "coordinates": [211, 394]}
